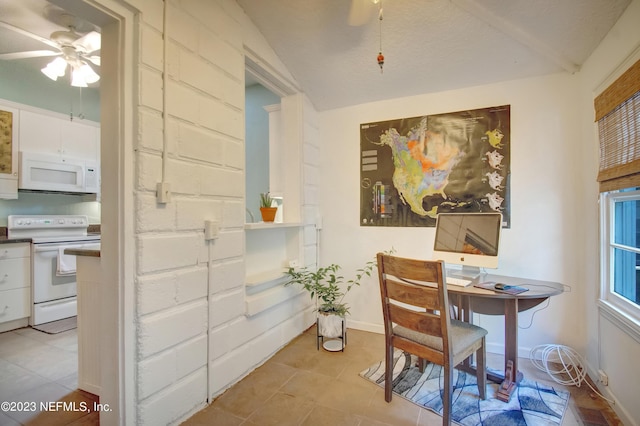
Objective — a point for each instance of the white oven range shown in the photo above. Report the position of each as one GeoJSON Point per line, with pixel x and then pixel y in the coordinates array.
{"type": "Point", "coordinates": [53, 274]}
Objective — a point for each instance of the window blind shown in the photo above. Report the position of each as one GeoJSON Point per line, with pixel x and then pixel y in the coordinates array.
{"type": "Point", "coordinates": [618, 116]}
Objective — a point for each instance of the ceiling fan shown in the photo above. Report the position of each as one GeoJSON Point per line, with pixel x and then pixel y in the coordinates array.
{"type": "Point", "coordinates": [73, 50]}
{"type": "Point", "coordinates": [362, 11]}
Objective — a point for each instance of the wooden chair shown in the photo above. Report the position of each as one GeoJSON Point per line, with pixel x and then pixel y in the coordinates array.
{"type": "Point", "coordinates": [421, 324]}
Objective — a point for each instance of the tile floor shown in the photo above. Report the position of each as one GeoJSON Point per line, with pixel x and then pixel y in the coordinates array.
{"type": "Point", "coordinates": [302, 386]}
{"type": "Point", "coordinates": [297, 386]}
{"type": "Point", "coordinates": [37, 367]}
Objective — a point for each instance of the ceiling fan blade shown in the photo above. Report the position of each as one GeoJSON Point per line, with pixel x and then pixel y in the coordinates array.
{"type": "Point", "coordinates": [28, 34]}
{"type": "Point", "coordinates": [89, 42]}
{"type": "Point", "coordinates": [361, 12]}
{"type": "Point", "coordinates": [29, 54]}
{"type": "Point", "coordinates": [93, 59]}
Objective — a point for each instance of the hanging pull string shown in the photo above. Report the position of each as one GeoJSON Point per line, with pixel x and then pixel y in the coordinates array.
{"type": "Point", "coordinates": [571, 365]}
{"type": "Point", "coordinates": [380, 55]}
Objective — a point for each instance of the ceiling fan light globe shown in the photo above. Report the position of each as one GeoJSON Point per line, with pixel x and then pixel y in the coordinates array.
{"type": "Point", "coordinates": [49, 72]}
{"type": "Point", "coordinates": [55, 69]}
{"type": "Point", "coordinates": [59, 65]}
{"type": "Point", "coordinates": [88, 74]}
{"type": "Point", "coordinates": [77, 78]}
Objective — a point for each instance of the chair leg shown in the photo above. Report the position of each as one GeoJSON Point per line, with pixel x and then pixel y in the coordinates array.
{"type": "Point", "coordinates": [481, 370]}
{"type": "Point", "coordinates": [421, 364]}
{"type": "Point", "coordinates": [447, 396]}
{"type": "Point", "coordinates": [388, 374]}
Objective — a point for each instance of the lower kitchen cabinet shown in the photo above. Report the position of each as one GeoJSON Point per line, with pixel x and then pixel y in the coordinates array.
{"type": "Point", "coordinates": [15, 285]}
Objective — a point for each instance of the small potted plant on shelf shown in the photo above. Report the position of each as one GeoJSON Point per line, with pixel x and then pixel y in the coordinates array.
{"type": "Point", "coordinates": [329, 288]}
{"type": "Point", "coordinates": [268, 213]}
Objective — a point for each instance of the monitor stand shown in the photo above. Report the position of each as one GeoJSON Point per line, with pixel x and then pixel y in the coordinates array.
{"type": "Point", "coordinates": [468, 272]}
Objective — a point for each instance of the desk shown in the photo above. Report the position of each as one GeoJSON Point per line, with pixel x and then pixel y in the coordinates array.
{"type": "Point", "coordinates": [472, 299]}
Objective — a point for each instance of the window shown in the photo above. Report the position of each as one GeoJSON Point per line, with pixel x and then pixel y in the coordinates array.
{"type": "Point", "coordinates": [621, 283]}
{"type": "Point", "coordinates": [618, 117]}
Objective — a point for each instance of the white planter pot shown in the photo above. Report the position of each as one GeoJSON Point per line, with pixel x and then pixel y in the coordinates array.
{"type": "Point", "coordinates": [329, 325]}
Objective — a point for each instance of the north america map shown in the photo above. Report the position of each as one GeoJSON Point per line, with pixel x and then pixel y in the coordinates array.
{"type": "Point", "coordinates": [414, 168]}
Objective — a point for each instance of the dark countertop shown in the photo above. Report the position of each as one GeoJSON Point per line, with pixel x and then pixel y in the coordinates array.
{"type": "Point", "coordinates": [83, 251]}
{"type": "Point", "coordinates": [6, 240]}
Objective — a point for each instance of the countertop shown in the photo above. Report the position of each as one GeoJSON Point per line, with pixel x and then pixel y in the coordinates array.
{"type": "Point", "coordinates": [6, 240]}
{"type": "Point", "coordinates": [87, 251]}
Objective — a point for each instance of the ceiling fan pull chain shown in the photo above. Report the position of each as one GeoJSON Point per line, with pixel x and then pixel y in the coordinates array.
{"type": "Point", "coordinates": [380, 55]}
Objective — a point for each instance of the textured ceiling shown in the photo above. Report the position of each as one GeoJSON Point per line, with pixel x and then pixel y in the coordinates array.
{"type": "Point", "coordinates": [429, 45]}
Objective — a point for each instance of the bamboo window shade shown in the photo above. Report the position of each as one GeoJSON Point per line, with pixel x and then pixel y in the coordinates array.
{"type": "Point", "coordinates": [618, 116]}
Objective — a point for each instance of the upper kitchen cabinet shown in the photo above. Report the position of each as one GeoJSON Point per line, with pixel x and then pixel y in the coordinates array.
{"type": "Point", "coordinates": [56, 134]}
{"type": "Point", "coordinates": [9, 119]}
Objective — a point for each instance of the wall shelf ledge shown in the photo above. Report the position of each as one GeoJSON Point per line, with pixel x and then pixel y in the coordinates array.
{"type": "Point", "coordinates": [271, 225]}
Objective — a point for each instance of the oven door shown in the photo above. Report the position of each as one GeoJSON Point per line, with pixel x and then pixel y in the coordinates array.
{"type": "Point", "coordinates": [54, 276]}
{"type": "Point", "coordinates": [54, 281]}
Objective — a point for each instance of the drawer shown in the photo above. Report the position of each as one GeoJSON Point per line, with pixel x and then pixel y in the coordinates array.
{"type": "Point", "coordinates": [12, 251]}
{"type": "Point", "coordinates": [15, 273]}
{"type": "Point", "coordinates": [15, 304]}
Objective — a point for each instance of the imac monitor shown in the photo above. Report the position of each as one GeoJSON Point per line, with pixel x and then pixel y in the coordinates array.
{"type": "Point", "coordinates": [468, 239]}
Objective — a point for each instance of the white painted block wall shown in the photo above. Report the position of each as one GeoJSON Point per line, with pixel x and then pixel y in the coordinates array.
{"type": "Point", "coordinates": [193, 339]}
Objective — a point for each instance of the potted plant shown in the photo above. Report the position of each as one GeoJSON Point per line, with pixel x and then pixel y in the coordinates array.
{"type": "Point", "coordinates": [268, 213]}
{"type": "Point", "coordinates": [329, 288]}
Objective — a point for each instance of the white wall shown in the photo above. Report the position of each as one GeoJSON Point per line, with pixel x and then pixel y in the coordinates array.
{"type": "Point", "coordinates": [612, 346]}
{"type": "Point", "coordinates": [544, 233]}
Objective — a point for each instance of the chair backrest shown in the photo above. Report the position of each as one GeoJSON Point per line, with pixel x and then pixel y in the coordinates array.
{"type": "Point", "coordinates": [414, 296]}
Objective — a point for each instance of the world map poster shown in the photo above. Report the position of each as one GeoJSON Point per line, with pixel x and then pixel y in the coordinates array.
{"type": "Point", "coordinates": [414, 168]}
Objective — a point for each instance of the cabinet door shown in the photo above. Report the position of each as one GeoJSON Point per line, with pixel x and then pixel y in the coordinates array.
{"type": "Point", "coordinates": [40, 133]}
{"type": "Point", "coordinates": [9, 131]}
{"type": "Point", "coordinates": [79, 140]}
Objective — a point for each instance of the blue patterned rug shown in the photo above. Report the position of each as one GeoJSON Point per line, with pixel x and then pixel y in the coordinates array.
{"type": "Point", "coordinates": [531, 404]}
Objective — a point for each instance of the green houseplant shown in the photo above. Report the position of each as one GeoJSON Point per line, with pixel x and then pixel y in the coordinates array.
{"type": "Point", "coordinates": [268, 213]}
{"type": "Point", "coordinates": [330, 288]}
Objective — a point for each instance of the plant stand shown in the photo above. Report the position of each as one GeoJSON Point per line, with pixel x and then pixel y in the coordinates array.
{"type": "Point", "coordinates": [335, 342]}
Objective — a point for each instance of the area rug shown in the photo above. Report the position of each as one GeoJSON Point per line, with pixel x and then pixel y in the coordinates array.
{"type": "Point", "coordinates": [531, 404]}
{"type": "Point", "coordinates": [55, 327]}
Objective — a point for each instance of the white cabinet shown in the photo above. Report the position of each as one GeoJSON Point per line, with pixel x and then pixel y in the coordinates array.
{"type": "Point", "coordinates": [15, 285]}
{"type": "Point", "coordinates": [9, 128]}
{"type": "Point", "coordinates": [54, 135]}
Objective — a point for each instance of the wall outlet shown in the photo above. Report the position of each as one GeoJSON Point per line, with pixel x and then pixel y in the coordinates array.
{"type": "Point", "coordinates": [603, 378]}
{"type": "Point", "coordinates": [211, 229]}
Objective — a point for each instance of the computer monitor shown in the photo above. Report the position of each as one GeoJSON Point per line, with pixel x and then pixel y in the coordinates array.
{"type": "Point", "coordinates": [468, 239]}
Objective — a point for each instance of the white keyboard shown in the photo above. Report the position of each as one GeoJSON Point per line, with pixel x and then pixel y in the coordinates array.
{"type": "Point", "coordinates": [458, 281]}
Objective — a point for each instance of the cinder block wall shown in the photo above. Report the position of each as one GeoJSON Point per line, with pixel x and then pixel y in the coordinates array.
{"type": "Point", "coordinates": [193, 339]}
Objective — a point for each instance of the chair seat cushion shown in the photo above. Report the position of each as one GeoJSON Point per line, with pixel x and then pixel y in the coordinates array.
{"type": "Point", "coordinates": [462, 334]}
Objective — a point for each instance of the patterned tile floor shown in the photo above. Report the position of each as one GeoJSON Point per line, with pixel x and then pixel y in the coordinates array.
{"type": "Point", "coordinates": [302, 386]}
{"type": "Point", "coordinates": [299, 385]}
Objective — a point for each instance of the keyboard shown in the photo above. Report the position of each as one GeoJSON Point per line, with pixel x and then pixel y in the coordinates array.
{"type": "Point", "coordinates": [458, 281]}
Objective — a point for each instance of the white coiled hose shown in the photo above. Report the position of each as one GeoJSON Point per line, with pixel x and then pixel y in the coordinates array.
{"type": "Point", "coordinates": [544, 356]}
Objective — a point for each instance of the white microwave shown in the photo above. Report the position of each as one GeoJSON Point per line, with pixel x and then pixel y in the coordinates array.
{"type": "Point", "coordinates": [44, 172]}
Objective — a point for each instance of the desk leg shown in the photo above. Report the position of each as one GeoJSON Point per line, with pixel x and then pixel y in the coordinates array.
{"type": "Point", "coordinates": [465, 314]}
{"type": "Point", "coordinates": [512, 376]}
